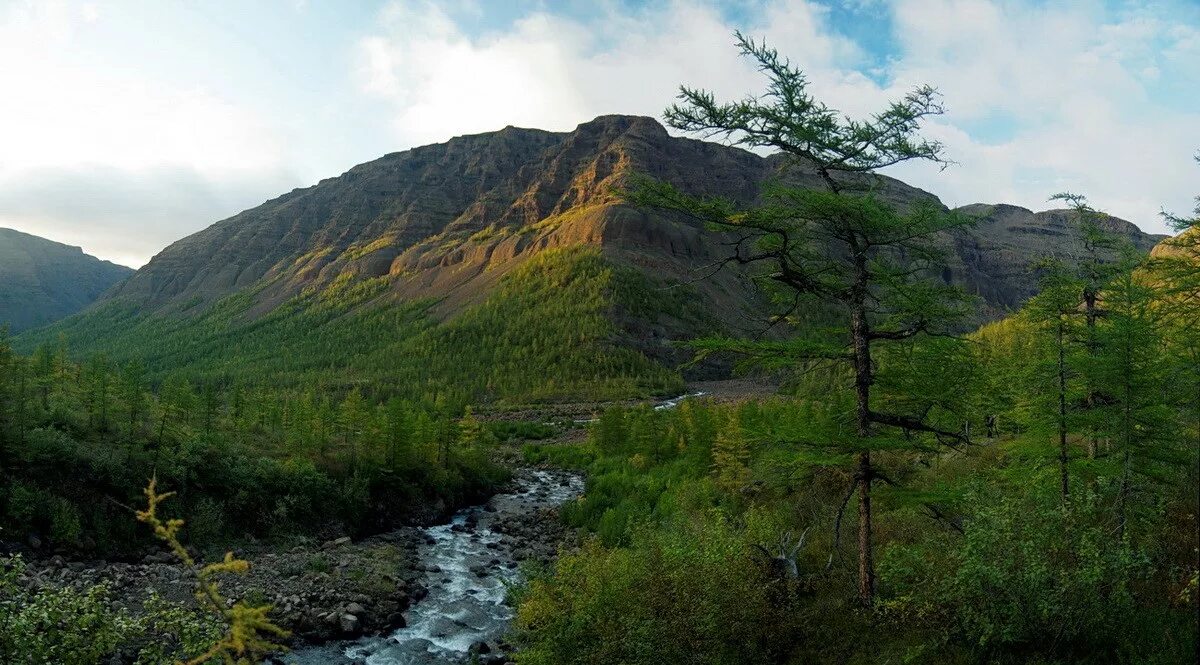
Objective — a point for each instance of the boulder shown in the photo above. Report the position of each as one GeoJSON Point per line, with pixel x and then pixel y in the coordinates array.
{"type": "Point", "coordinates": [350, 624]}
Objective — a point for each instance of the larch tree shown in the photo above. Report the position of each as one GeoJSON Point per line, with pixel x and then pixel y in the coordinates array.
{"type": "Point", "coordinates": [731, 456]}
{"type": "Point", "coordinates": [1099, 251]}
{"type": "Point", "coordinates": [840, 248]}
{"type": "Point", "coordinates": [399, 431]}
{"type": "Point", "coordinates": [99, 391]}
{"type": "Point", "coordinates": [133, 386]}
{"type": "Point", "coordinates": [1053, 371]}
{"type": "Point", "coordinates": [353, 417]}
{"type": "Point", "coordinates": [8, 363]}
{"type": "Point", "coordinates": [1136, 415]}
{"type": "Point", "coordinates": [1175, 267]}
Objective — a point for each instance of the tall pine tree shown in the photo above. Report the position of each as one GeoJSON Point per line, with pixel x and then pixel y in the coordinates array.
{"type": "Point", "coordinates": [840, 248]}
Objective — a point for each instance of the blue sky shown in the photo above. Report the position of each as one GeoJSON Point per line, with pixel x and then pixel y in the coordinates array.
{"type": "Point", "coordinates": [127, 125]}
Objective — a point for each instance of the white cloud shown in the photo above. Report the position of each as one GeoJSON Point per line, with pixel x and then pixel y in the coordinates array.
{"type": "Point", "coordinates": [551, 72]}
{"type": "Point", "coordinates": [71, 119]}
{"type": "Point", "coordinates": [122, 215]}
{"type": "Point", "coordinates": [1074, 82]}
{"type": "Point", "coordinates": [1068, 84]}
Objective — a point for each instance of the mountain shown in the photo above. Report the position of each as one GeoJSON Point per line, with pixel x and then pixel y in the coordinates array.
{"type": "Point", "coordinates": [999, 254]}
{"type": "Point", "coordinates": [42, 281]}
{"type": "Point", "coordinates": [506, 256]}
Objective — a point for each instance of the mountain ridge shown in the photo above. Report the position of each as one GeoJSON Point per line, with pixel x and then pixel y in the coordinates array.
{"type": "Point", "coordinates": [456, 205]}
{"type": "Point", "coordinates": [42, 281]}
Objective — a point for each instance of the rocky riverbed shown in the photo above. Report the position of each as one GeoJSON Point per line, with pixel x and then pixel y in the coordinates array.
{"type": "Point", "coordinates": [458, 610]}
{"type": "Point", "coordinates": [442, 583]}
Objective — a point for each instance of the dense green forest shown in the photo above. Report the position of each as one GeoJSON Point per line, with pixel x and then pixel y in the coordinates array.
{"type": "Point", "coordinates": [545, 334]}
{"type": "Point", "coordinates": [79, 441]}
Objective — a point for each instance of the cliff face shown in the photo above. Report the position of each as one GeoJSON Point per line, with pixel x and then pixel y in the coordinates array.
{"type": "Point", "coordinates": [999, 255]}
{"type": "Point", "coordinates": [43, 281]}
{"type": "Point", "coordinates": [447, 220]}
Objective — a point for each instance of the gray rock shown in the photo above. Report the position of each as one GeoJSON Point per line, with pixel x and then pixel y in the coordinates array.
{"type": "Point", "coordinates": [350, 624]}
{"type": "Point", "coordinates": [344, 540]}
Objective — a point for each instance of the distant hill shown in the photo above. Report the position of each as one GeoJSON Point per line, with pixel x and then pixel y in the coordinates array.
{"type": "Point", "coordinates": [42, 281]}
{"type": "Point", "coordinates": [500, 265]}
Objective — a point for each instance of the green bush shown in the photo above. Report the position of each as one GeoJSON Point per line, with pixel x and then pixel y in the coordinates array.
{"type": "Point", "coordinates": [692, 593]}
{"type": "Point", "coordinates": [52, 626]}
{"type": "Point", "coordinates": [1029, 575]}
{"type": "Point", "coordinates": [66, 525]}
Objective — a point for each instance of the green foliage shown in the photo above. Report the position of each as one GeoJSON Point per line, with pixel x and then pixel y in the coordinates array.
{"type": "Point", "coordinates": [838, 255]}
{"type": "Point", "coordinates": [982, 561]}
{"type": "Point", "coordinates": [545, 333]}
{"type": "Point", "coordinates": [248, 630]}
{"type": "Point", "coordinates": [52, 625]}
{"type": "Point", "coordinates": [35, 624]}
{"type": "Point", "coordinates": [509, 430]}
{"type": "Point", "coordinates": [247, 461]}
{"type": "Point", "coordinates": [687, 594]}
{"type": "Point", "coordinates": [1029, 577]}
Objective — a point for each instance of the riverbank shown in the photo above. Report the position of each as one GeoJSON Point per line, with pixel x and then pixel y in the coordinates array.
{"type": "Point", "coordinates": [466, 567]}
{"type": "Point", "coordinates": [337, 590]}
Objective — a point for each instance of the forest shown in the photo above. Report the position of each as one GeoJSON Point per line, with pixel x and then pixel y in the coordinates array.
{"type": "Point", "coordinates": [1027, 492]}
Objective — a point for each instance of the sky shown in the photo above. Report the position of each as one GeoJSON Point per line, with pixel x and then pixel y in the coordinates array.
{"type": "Point", "coordinates": [125, 126]}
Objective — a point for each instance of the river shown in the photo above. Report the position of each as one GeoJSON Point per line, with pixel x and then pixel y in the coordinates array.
{"type": "Point", "coordinates": [468, 562]}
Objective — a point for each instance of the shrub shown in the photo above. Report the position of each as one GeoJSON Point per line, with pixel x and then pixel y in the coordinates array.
{"type": "Point", "coordinates": [1028, 575]}
{"type": "Point", "coordinates": [691, 593]}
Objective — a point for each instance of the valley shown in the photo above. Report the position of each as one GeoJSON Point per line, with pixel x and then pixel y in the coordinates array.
{"type": "Point", "coordinates": [714, 390]}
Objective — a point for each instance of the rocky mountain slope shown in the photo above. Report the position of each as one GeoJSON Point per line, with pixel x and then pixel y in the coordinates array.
{"type": "Point", "coordinates": [42, 281]}
{"type": "Point", "coordinates": [999, 255]}
{"type": "Point", "coordinates": [450, 224]}
{"type": "Point", "coordinates": [454, 216]}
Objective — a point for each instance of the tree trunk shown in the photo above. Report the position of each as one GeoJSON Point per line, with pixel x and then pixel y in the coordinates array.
{"type": "Point", "coordinates": [866, 557]}
{"type": "Point", "coordinates": [1062, 410]}
{"type": "Point", "coordinates": [860, 333]}
{"type": "Point", "coordinates": [1090, 313]}
{"type": "Point", "coordinates": [1123, 499]}
{"type": "Point", "coordinates": [1127, 426]}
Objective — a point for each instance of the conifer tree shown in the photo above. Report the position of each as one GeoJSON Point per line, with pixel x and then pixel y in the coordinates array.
{"type": "Point", "coordinates": [840, 248]}
{"type": "Point", "coordinates": [1176, 269]}
{"type": "Point", "coordinates": [731, 456]}
{"type": "Point", "coordinates": [470, 430]}
{"type": "Point", "coordinates": [1054, 315]}
{"type": "Point", "coordinates": [1135, 415]}
{"type": "Point", "coordinates": [210, 406]}
{"type": "Point", "coordinates": [133, 386]}
{"type": "Point", "coordinates": [352, 421]}
{"type": "Point", "coordinates": [1097, 265]}
{"type": "Point", "coordinates": [610, 432]}
{"type": "Point", "coordinates": [7, 374]}
{"type": "Point", "coordinates": [398, 427]}
{"type": "Point", "coordinates": [174, 402]}
{"type": "Point", "coordinates": [99, 391]}
{"type": "Point", "coordinates": [42, 366]}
